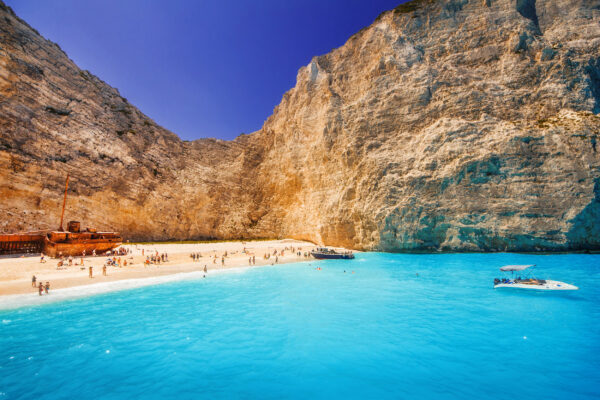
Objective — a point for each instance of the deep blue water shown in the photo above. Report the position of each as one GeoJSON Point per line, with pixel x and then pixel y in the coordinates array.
{"type": "Point", "coordinates": [295, 332]}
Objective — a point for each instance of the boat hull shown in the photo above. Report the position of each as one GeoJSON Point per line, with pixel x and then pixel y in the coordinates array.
{"type": "Point", "coordinates": [76, 249]}
{"type": "Point", "coordinates": [549, 285]}
{"type": "Point", "coordinates": [57, 244]}
{"type": "Point", "coordinates": [22, 243]}
{"type": "Point", "coordinates": [320, 256]}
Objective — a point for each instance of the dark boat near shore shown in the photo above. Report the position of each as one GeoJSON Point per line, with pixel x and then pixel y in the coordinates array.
{"type": "Point", "coordinates": [72, 242]}
{"type": "Point", "coordinates": [323, 253]}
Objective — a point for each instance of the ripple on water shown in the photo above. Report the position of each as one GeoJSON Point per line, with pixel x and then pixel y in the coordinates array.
{"type": "Point", "coordinates": [297, 332]}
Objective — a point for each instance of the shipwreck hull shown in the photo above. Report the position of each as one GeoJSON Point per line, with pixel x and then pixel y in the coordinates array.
{"type": "Point", "coordinates": [21, 243]}
{"type": "Point", "coordinates": [78, 246]}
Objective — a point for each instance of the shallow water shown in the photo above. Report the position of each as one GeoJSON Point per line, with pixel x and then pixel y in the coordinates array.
{"type": "Point", "coordinates": [295, 332]}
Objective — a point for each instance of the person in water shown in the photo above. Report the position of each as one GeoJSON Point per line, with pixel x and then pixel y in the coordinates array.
{"type": "Point", "coordinates": [47, 287]}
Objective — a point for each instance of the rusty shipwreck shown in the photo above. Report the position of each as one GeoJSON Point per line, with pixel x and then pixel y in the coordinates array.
{"type": "Point", "coordinates": [70, 242]}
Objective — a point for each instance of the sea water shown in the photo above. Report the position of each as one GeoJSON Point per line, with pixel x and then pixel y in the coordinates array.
{"type": "Point", "coordinates": [370, 328]}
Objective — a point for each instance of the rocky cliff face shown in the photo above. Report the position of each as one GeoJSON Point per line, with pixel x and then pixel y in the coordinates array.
{"type": "Point", "coordinates": [445, 125]}
{"type": "Point", "coordinates": [127, 173]}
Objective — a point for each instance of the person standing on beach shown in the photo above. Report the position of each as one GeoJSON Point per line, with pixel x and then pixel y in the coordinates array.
{"type": "Point", "coordinates": [33, 279]}
{"type": "Point", "coordinates": [254, 260]}
{"type": "Point", "coordinates": [40, 288]}
{"type": "Point", "coordinates": [47, 287]}
{"type": "Point", "coordinates": [250, 261]}
{"type": "Point", "coordinates": [91, 273]}
{"type": "Point", "coordinates": [104, 270]}
{"type": "Point", "coordinates": [205, 269]}
{"type": "Point", "coordinates": [42, 258]}
{"type": "Point", "coordinates": [223, 261]}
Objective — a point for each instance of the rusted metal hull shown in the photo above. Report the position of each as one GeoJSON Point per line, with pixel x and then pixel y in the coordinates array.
{"type": "Point", "coordinates": [56, 244]}
{"type": "Point", "coordinates": [22, 243]}
{"type": "Point", "coordinates": [77, 244]}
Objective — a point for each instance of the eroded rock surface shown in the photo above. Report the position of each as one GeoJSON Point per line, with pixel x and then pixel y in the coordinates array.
{"type": "Point", "coordinates": [445, 125]}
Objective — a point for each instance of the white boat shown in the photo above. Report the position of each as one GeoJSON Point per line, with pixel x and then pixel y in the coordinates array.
{"type": "Point", "coordinates": [528, 282]}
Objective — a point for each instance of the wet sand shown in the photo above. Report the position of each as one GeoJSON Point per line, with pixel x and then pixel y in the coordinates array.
{"type": "Point", "coordinates": [16, 272]}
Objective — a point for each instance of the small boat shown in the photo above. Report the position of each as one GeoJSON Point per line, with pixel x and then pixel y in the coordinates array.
{"type": "Point", "coordinates": [528, 282]}
{"type": "Point", "coordinates": [323, 253]}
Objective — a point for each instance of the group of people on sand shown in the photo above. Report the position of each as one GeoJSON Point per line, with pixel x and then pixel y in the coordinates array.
{"type": "Point", "coordinates": [267, 256]}
{"type": "Point", "coordinates": [117, 262]}
{"type": "Point", "coordinates": [121, 251]}
{"type": "Point", "coordinates": [41, 287]}
{"type": "Point", "coordinates": [196, 256]}
{"type": "Point", "coordinates": [91, 271]}
{"type": "Point", "coordinates": [156, 259]}
{"type": "Point", "coordinates": [222, 259]}
{"type": "Point", "coordinates": [69, 261]}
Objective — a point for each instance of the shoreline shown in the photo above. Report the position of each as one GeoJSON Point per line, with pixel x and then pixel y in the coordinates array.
{"type": "Point", "coordinates": [73, 282]}
{"type": "Point", "coordinates": [15, 301]}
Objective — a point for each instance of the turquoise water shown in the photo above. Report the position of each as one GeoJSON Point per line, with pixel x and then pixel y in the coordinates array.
{"type": "Point", "coordinates": [296, 332]}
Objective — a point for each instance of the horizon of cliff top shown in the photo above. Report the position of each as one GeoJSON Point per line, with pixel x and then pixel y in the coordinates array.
{"type": "Point", "coordinates": [190, 66]}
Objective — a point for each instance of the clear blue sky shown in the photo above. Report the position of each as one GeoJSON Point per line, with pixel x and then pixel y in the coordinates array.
{"type": "Point", "coordinates": [205, 68]}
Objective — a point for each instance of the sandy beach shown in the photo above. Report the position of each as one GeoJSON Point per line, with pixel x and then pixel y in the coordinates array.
{"type": "Point", "coordinates": [16, 272]}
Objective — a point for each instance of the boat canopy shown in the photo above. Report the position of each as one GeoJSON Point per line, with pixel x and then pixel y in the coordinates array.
{"type": "Point", "coordinates": [516, 267]}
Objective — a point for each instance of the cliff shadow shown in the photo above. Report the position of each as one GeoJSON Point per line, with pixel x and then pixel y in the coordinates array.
{"type": "Point", "coordinates": [585, 231]}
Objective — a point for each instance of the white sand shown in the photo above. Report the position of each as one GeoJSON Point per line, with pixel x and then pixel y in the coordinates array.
{"type": "Point", "coordinates": [73, 281]}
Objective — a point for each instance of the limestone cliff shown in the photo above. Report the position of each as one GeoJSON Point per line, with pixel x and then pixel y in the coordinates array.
{"type": "Point", "coordinates": [127, 173]}
{"type": "Point", "coordinates": [445, 125]}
